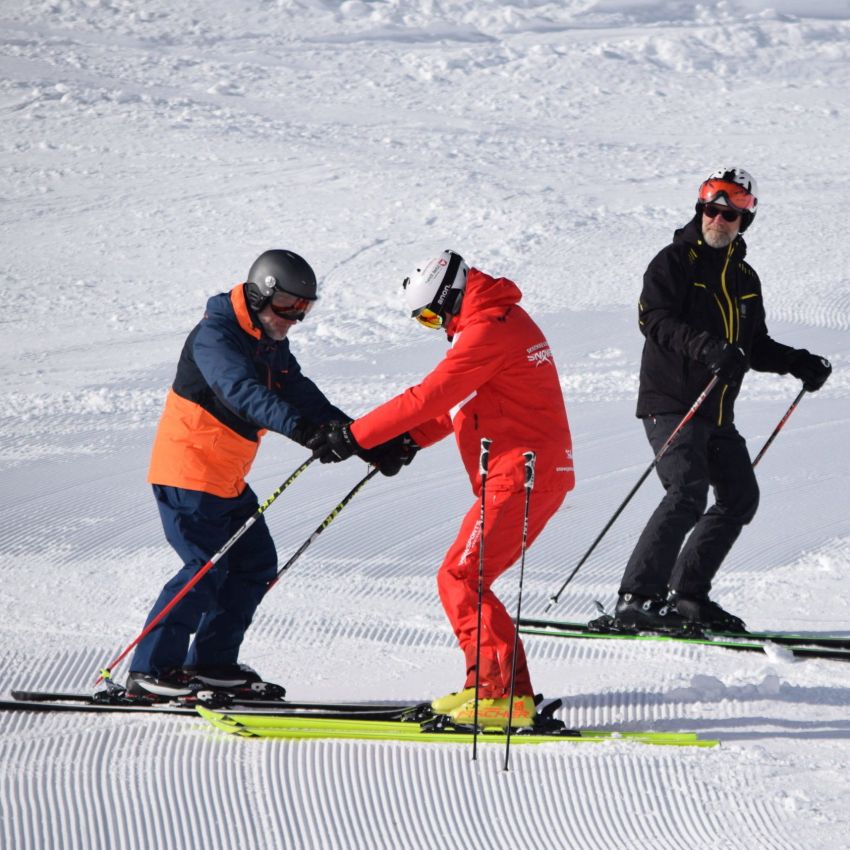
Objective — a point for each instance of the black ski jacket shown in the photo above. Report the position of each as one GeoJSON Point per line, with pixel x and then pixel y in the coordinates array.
{"type": "Point", "coordinates": [691, 294]}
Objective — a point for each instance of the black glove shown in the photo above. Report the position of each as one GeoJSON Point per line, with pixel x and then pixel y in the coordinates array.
{"type": "Point", "coordinates": [333, 442]}
{"type": "Point", "coordinates": [810, 369]}
{"type": "Point", "coordinates": [303, 432]}
{"type": "Point", "coordinates": [390, 456]}
{"type": "Point", "coordinates": [409, 448]}
{"type": "Point", "coordinates": [725, 360]}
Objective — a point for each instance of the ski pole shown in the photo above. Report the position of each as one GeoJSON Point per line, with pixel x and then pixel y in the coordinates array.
{"type": "Point", "coordinates": [687, 418]}
{"type": "Point", "coordinates": [323, 525]}
{"type": "Point", "coordinates": [529, 457]}
{"type": "Point", "coordinates": [759, 456]}
{"type": "Point", "coordinates": [482, 468]}
{"type": "Point", "coordinates": [779, 427]}
{"type": "Point", "coordinates": [106, 672]}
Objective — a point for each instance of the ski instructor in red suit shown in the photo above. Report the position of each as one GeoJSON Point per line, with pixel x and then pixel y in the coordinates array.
{"type": "Point", "coordinates": [498, 380]}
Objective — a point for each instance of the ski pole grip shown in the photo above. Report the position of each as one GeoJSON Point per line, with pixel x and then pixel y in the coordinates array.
{"type": "Point", "coordinates": [530, 458]}
{"type": "Point", "coordinates": [485, 456]}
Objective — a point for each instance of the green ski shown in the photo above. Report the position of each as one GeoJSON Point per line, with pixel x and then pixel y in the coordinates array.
{"type": "Point", "coordinates": [289, 727]}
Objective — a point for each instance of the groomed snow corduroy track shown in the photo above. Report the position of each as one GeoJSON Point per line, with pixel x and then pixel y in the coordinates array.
{"type": "Point", "coordinates": [151, 152]}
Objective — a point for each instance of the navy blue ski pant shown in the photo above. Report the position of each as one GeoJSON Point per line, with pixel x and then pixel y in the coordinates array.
{"type": "Point", "coordinates": [703, 455]}
{"type": "Point", "coordinates": [220, 607]}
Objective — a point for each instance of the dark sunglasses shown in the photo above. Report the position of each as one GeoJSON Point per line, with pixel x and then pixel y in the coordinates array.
{"type": "Point", "coordinates": [726, 214]}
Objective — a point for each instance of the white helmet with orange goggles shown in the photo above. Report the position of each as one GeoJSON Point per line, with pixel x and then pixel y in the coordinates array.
{"type": "Point", "coordinates": [731, 187]}
{"type": "Point", "coordinates": [436, 289]}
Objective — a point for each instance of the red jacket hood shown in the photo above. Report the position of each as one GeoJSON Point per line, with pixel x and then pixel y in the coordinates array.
{"type": "Point", "coordinates": [483, 293]}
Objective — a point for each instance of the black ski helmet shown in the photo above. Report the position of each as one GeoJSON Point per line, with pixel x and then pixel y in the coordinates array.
{"type": "Point", "coordinates": [283, 271]}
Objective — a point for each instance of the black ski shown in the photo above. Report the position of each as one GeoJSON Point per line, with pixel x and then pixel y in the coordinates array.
{"type": "Point", "coordinates": [42, 701]}
{"type": "Point", "coordinates": [48, 706]}
{"type": "Point", "coordinates": [832, 647]}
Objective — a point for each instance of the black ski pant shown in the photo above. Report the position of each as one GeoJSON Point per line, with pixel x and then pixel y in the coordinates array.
{"type": "Point", "coordinates": [702, 455]}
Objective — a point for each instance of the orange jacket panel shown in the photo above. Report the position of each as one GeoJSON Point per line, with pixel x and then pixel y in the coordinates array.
{"type": "Point", "coordinates": [187, 438]}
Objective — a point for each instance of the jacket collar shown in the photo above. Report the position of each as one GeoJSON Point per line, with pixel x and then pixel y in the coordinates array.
{"type": "Point", "coordinates": [244, 315]}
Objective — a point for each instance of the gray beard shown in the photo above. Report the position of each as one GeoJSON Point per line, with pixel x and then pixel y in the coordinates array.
{"type": "Point", "coordinates": [717, 239]}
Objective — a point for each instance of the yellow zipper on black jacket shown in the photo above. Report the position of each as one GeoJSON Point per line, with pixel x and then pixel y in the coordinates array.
{"type": "Point", "coordinates": [732, 331]}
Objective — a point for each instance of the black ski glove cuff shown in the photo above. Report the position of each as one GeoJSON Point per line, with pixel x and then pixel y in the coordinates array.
{"type": "Point", "coordinates": [725, 360]}
{"type": "Point", "coordinates": [811, 369]}
{"type": "Point", "coordinates": [303, 432]}
{"type": "Point", "coordinates": [390, 456]}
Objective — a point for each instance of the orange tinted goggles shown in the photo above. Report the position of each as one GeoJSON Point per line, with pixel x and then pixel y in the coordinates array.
{"type": "Point", "coordinates": [736, 196]}
{"type": "Point", "coordinates": [427, 317]}
{"type": "Point", "coordinates": [290, 306]}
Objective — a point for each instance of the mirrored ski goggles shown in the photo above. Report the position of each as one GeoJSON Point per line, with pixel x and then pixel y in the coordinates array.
{"type": "Point", "coordinates": [726, 213]}
{"type": "Point", "coordinates": [736, 196]}
{"type": "Point", "coordinates": [428, 318]}
{"type": "Point", "coordinates": [290, 307]}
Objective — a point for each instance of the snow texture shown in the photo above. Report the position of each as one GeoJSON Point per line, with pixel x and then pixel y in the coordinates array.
{"type": "Point", "coordinates": [151, 150]}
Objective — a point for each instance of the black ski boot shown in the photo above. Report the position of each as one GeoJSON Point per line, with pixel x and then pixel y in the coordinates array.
{"type": "Point", "coordinates": [647, 613]}
{"type": "Point", "coordinates": [160, 687]}
{"type": "Point", "coordinates": [238, 679]}
{"type": "Point", "coordinates": [704, 613]}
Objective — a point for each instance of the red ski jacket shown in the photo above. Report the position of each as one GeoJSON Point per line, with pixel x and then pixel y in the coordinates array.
{"type": "Point", "coordinates": [499, 381]}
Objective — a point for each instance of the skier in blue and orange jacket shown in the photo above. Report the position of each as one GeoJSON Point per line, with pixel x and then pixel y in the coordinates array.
{"type": "Point", "coordinates": [497, 381]}
{"type": "Point", "coordinates": [236, 379]}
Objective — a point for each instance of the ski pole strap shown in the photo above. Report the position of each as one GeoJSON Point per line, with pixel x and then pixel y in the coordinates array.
{"type": "Point", "coordinates": [530, 459]}
{"type": "Point", "coordinates": [484, 458]}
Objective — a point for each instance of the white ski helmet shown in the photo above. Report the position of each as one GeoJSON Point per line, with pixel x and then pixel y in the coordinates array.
{"type": "Point", "coordinates": [731, 187]}
{"type": "Point", "coordinates": [436, 288]}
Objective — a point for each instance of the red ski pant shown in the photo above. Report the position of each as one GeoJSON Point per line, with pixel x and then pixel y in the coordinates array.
{"type": "Point", "coordinates": [457, 582]}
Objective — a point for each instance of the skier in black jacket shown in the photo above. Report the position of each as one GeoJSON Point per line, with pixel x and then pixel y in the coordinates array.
{"type": "Point", "coordinates": [702, 314]}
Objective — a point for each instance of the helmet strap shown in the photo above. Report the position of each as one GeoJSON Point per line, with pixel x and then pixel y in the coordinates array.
{"type": "Point", "coordinates": [444, 301]}
{"type": "Point", "coordinates": [454, 301]}
{"type": "Point", "coordinates": [255, 299]}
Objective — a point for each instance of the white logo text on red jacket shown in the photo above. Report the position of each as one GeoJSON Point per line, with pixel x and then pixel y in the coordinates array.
{"type": "Point", "coordinates": [540, 354]}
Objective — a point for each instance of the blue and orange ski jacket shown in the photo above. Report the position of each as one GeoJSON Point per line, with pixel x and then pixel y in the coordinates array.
{"type": "Point", "coordinates": [233, 384]}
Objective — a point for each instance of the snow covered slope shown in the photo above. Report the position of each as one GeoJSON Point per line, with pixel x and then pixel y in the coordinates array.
{"type": "Point", "coordinates": [151, 150]}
